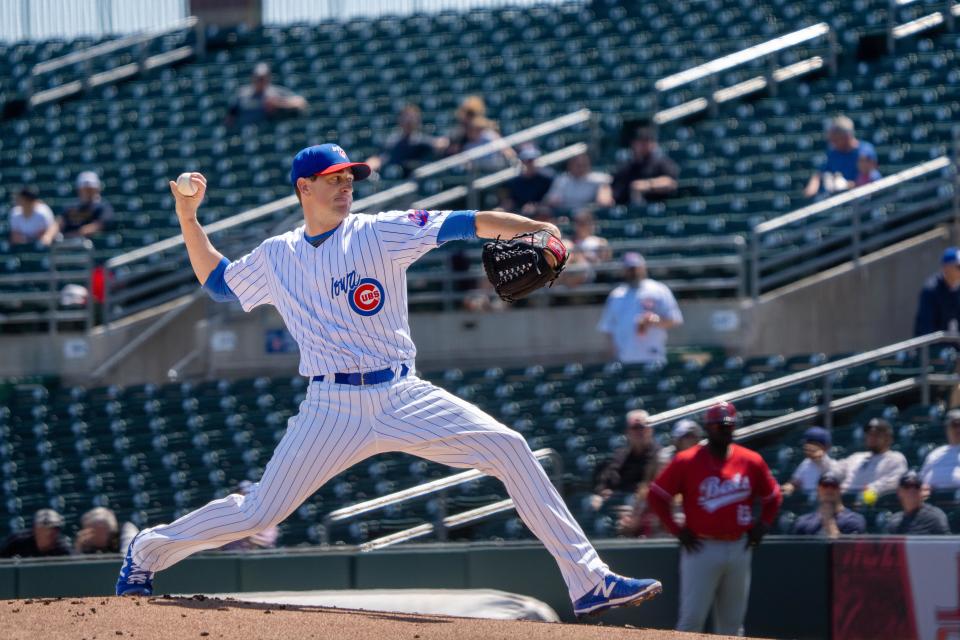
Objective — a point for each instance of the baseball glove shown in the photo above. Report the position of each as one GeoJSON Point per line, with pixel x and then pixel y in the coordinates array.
{"type": "Point", "coordinates": [519, 266]}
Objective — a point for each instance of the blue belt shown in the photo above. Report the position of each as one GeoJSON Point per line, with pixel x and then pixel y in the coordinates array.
{"type": "Point", "coordinates": [370, 377]}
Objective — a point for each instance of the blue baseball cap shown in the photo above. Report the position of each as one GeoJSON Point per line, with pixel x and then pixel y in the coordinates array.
{"type": "Point", "coordinates": [323, 159]}
{"type": "Point", "coordinates": [951, 256]}
{"type": "Point", "coordinates": [817, 434]}
{"type": "Point", "coordinates": [867, 150]}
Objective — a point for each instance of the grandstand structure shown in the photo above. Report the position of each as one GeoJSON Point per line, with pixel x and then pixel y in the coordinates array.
{"type": "Point", "coordinates": [739, 91]}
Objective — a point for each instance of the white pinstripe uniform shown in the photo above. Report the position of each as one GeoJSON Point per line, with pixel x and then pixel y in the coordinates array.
{"type": "Point", "coordinates": [345, 304]}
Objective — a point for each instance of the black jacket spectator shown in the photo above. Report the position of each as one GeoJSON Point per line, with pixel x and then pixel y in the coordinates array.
{"type": "Point", "coordinates": [940, 298]}
{"type": "Point", "coordinates": [528, 187]}
{"type": "Point", "coordinates": [925, 521]}
{"type": "Point", "coordinates": [650, 175]}
{"type": "Point", "coordinates": [24, 545]}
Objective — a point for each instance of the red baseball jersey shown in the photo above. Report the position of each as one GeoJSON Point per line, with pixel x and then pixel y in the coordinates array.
{"type": "Point", "coordinates": [718, 495]}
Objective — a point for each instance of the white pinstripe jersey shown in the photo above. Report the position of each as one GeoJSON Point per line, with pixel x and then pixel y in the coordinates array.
{"type": "Point", "coordinates": [344, 301]}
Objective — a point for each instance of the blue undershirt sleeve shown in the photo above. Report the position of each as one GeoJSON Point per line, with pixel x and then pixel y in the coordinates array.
{"type": "Point", "coordinates": [216, 287]}
{"type": "Point", "coordinates": [458, 225]}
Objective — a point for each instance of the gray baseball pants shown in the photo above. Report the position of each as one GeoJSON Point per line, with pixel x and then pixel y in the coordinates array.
{"type": "Point", "coordinates": [719, 575]}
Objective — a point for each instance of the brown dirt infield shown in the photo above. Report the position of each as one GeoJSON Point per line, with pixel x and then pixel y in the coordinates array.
{"type": "Point", "coordinates": [168, 618]}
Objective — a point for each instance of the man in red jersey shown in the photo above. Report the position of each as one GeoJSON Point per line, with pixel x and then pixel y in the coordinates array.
{"type": "Point", "coordinates": [719, 483]}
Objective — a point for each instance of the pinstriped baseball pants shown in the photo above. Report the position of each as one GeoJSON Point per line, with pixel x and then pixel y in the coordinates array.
{"type": "Point", "coordinates": [340, 425]}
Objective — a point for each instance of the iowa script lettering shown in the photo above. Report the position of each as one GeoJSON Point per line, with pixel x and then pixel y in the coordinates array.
{"type": "Point", "coordinates": [344, 284]}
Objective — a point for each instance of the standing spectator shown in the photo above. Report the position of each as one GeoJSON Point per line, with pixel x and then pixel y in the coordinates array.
{"type": "Point", "coordinates": [877, 470]}
{"type": "Point", "coordinates": [638, 314]}
{"type": "Point", "coordinates": [831, 518]}
{"type": "Point", "coordinates": [87, 216]}
{"type": "Point", "coordinates": [408, 147]}
{"type": "Point", "coordinates": [632, 465]}
{"type": "Point", "coordinates": [44, 539]}
{"type": "Point", "coordinates": [839, 171]}
{"type": "Point", "coordinates": [941, 467]}
{"type": "Point", "coordinates": [261, 100]}
{"type": "Point", "coordinates": [685, 434]}
{"type": "Point", "coordinates": [30, 217]}
{"type": "Point", "coordinates": [101, 533]}
{"type": "Point", "coordinates": [266, 539]}
{"type": "Point", "coordinates": [579, 187]}
{"type": "Point", "coordinates": [917, 518]}
{"type": "Point", "coordinates": [719, 482]}
{"type": "Point", "coordinates": [649, 176]}
{"type": "Point", "coordinates": [867, 171]}
{"type": "Point", "coordinates": [816, 445]}
{"type": "Point", "coordinates": [939, 305]}
{"type": "Point", "coordinates": [523, 192]}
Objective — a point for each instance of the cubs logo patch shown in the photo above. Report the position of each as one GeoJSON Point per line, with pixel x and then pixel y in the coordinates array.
{"type": "Point", "coordinates": [367, 297]}
{"type": "Point", "coordinates": [419, 217]}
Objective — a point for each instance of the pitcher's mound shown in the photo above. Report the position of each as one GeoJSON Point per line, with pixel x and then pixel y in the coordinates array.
{"type": "Point", "coordinates": [167, 618]}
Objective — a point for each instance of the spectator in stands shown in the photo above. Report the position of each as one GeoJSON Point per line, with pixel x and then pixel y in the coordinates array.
{"type": "Point", "coordinates": [877, 470]}
{"type": "Point", "coordinates": [816, 447]}
{"type": "Point", "coordinates": [471, 107]}
{"type": "Point", "coordinates": [867, 164]}
{"type": "Point", "coordinates": [839, 172]}
{"type": "Point", "coordinates": [44, 539]}
{"type": "Point", "coordinates": [261, 100]}
{"type": "Point", "coordinates": [941, 467]}
{"type": "Point", "coordinates": [408, 147]}
{"type": "Point", "coordinates": [266, 539]}
{"type": "Point", "coordinates": [579, 187]}
{"type": "Point", "coordinates": [586, 249]}
{"type": "Point", "coordinates": [917, 518]}
{"type": "Point", "coordinates": [87, 216]}
{"type": "Point", "coordinates": [631, 466]}
{"type": "Point", "coordinates": [649, 176]}
{"type": "Point", "coordinates": [638, 314]}
{"type": "Point", "coordinates": [524, 192]}
{"type": "Point", "coordinates": [685, 434]}
{"type": "Point", "coordinates": [101, 533]}
{"type": "Point", "coordinates": [939, 305]}
{"type": "Point", "coordinates": [30, 217]}
{"type": "Point", "coordinates": [831, 518]}
{"type": "Point", "coordinates": [480, 131]}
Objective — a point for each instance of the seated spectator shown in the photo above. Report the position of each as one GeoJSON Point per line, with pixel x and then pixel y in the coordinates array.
{"type": "Point", "coordinates": [408, 147]}
{"type": "Point", "coordinates": [649, 176]}
{"type": "Point", "coordinates": [939, 306]}
{"type": "Point", "coordinates": [839, 172]}
{"type": "Point", "coordinates": [525, 191]}
{"type": "Point", "coordinates": [831, 518]}
{"type": "Point", "coordinates": [816, 445]}
{"type": "Point", "coordinates": [261, 100]}
{"type": "Point", "coordinates": [30, 217]}
{"type": "Point", "coordinates": [480, 131]}
{"type": "Point", "coordinates": [101, 533]}
{"type": "Point", "coordinates": [632, 465]}
{"type": "Point", "coordinates": [685, 434]}
{"type": "Point", "coordinates": [586, 251]}
{"type": "Point", "coordinates": [578, 187]}
{"type": "Point", "coordinates": [867, 171]}
{"type": "Point", "coordinates": [43, 540]}
{"type": "Point", "coordinates": [87, 216]}
{"type": "Point", "coordinates": [638, 314]}
{"type": "Point", "coordinates": [266, 539]}
{"type": "Point", "coordinates": [917, 518]}
{"type": "Point", "coordinates": [941, 467]}
{"type": "Point", "coordinates": [471, 107]}
{"type": "Point", "coordinates": [877, 470]}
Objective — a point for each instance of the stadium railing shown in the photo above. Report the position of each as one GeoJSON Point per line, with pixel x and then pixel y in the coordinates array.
{"type": "Point", "coordinates": [709, 73]}
{"type": "Point", "coordinates": [897, 31]}
{"type": "Point", "coordinates": [81, 62]}
{"type": "Point", "coordinates": [850, 224]}
{"type": "Point", "coordinates": [443, 522]}
{"type": "Point", "coordinates": [923, 379]}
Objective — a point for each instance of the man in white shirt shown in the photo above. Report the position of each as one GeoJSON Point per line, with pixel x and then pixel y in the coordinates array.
{"type": "Point", "coordinates": [30, 217]}
{"type": "Point", "coordinates": [638, 314]}
{"type": "Point", "coordinates": [941, 467]}
{"type": "Point", "coordinates": [806, 478]}
{"type": "Point", "coordinates": [878, 469]}
{"type": "Point", "coordinates": [579, 187]}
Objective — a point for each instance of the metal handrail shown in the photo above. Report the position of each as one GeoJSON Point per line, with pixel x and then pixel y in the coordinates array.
{"type": "Point", "coordinates": [806, 376]}
{"type": "Point", "coordinates": [420, 491]}
{"type": "Point", "coordinates": [450, 522]}
{"type": "Point", "coordinates": [746, 55]}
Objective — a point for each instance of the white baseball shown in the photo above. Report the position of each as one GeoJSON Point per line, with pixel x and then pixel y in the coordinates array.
{"type": "Point", "coordinates": [185, 185]}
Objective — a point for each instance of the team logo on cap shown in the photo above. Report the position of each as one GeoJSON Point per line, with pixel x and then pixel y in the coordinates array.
{"type": "Point", "coordinates": [339, 151]}
{"type": "Point", "coordinates": [419, 217]}
{"type": "Point", "coordinates": [367, 297]}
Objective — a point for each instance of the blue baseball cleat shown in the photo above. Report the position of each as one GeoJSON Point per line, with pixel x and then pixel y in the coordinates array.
{"type": "Point", "coordinates": [133, 580]}
{"type": "Point", "coordinates": [616, 591]}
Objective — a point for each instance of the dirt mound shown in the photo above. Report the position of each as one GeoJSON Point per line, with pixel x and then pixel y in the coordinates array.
{"type": "Point", "coordinates": [165, 617]}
